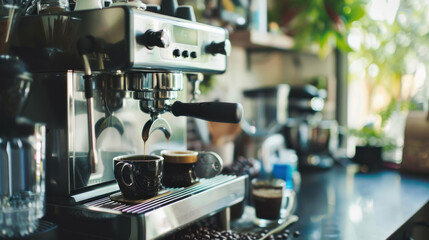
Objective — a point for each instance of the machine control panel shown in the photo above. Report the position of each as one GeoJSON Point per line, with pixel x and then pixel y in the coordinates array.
{"type": "Point", "coordinates": [163, 42]}
{"type": "Point", "coordinates": [133, 40]}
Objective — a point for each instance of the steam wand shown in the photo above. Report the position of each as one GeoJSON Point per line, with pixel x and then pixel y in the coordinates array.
{"type": "Point", "coordinates": [86, 46]}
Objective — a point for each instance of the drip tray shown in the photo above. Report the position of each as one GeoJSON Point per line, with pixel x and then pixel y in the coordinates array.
{"type": "Point", "coordinates": [176, 207]}
{"type": "Point", "coordinates": [118, 197]}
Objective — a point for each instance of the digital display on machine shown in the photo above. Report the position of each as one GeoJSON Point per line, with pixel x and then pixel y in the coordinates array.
{"type": "Point", "coordinates": [185, 35]}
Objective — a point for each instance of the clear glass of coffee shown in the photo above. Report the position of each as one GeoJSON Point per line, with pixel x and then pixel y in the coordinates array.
{"type": "Point", "coordinates": [273, 203]}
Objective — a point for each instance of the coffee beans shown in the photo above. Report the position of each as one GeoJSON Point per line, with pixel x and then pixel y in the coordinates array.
{"type": "Point", "coordinates": [205, 233]}
{"type": "Point", "coordinates": [296, 234]}
{"type": "Point", "coordinates": [243, 166]}
{"type": "Point", "coordinates": [209, 234]}
{"type": "Point", "coordinates": [209, 229]}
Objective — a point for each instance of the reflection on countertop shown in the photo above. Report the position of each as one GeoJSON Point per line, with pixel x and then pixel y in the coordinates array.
{"type": "Point", "coordinates": [341, 203]}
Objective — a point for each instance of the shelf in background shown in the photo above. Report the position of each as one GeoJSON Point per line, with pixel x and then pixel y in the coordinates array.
{"type": "Point", "coordinates": [257, 40]}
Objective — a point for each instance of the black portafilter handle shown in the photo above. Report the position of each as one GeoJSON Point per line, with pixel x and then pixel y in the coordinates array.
{"type": "Point", "coordinates": [210, 111]}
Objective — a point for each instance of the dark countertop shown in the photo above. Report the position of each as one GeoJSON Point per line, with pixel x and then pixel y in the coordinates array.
{"type": "Point", "coordinates": [341, 203]}
{"type": "Point", "coordinates": [344, 204]}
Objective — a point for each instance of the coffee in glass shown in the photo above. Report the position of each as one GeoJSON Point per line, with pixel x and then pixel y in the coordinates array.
{"type": "Point", "coordinates": [272, 201]}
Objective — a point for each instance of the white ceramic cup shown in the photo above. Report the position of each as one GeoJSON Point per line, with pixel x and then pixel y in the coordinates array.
{"type": "Point", "coordinates": [88, 4]}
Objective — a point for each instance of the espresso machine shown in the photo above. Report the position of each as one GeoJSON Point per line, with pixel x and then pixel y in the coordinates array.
{"type": "Point", "coordinates": [313, 138]}
{"type": "Point", "coordinates": [266, 113]}
{"type": "Point", "coordinates": [111, 82]}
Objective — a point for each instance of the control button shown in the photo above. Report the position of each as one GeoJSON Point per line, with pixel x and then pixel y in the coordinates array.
{"type": "Point", "coordinates": [176, 53]}
{"type": "Point", "coordinates": [185, 54]}
{"type": "Point", "coordinates": [193, 54]}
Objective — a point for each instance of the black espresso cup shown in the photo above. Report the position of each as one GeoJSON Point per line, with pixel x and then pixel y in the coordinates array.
{"type": "Point", "coordinates": [184, 168]}
{"type": "Point", "coordinates": [138, 176]}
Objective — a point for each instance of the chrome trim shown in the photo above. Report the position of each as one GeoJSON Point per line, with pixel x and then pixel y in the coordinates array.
{"type": "Point", "coordinates": [142, 82]}
{"type": "Point", "coordinates": [79, 198]}
{"type": "Point", "coordinates": [170, 81]}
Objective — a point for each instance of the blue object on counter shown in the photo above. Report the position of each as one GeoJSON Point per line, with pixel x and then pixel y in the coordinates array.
{"type": "Point", "coordinates": [284, 171]}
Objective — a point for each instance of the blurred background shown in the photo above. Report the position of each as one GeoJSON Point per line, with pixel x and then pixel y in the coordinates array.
{"type": "Point", "coordinates": [368, 57]}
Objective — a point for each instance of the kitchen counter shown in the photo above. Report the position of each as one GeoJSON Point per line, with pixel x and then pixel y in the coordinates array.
{"type": "Point", "coordinates": [341, 203]}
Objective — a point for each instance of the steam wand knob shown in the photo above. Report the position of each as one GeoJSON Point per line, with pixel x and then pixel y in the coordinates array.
{"type": "Point", "coordinates": [223, 48]}
{"type": "Point", "coordinates": [152, 39]}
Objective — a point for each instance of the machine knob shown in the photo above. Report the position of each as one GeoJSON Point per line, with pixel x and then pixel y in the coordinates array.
{"type": "Point", "coordinates": [186, 12]}
{"type": "Point", "coordinates": [153, 39]}
{"type": "Point", "coordinates": [223, 48]}
{"type": "Point", "coordinates": [168, 7]}
{"type": "Point", "coordinates": [153, 8]}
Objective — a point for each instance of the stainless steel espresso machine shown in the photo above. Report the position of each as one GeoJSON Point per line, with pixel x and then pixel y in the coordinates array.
{"type": "Point", "coordinates": [103, 80]}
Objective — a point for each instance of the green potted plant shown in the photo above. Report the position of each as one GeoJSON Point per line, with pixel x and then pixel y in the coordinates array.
{"type": "Point", "coordinates": [317, 24]}
{"type": "Point", "coordinates": [389, 52]}
{"type": "Point", "coordinates": [374, 140]}
{"type": "Point", "coordinates": [370, 144]}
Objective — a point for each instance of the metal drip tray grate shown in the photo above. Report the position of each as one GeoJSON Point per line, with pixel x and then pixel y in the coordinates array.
{"type": "Point", "coordinates": [155, 217]}
{"type": "Point", "coordinates": [175, 194]}
{"type": "Point", "coordinates": [162, 214]}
